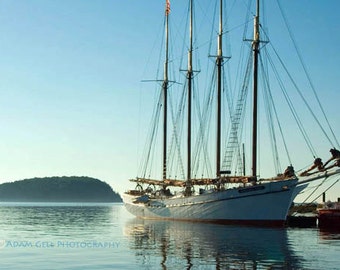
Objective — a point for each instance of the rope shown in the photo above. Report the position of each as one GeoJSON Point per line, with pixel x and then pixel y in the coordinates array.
{"type": "Point", "coordinates": [337, 180]}
{"type": "Point", "coordinates": [309, 80]}
{"type": "Point", "coordinates": [289, 101]}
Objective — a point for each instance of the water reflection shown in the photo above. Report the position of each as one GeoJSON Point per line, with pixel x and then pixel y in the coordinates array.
{"type": "Point", "coordinates": [61, 220]}
{"type": "Point", "coordinates": [188, 245]}
{"type": "Point", "coordinates": [329, 233]}
{"type": "Point", "coordinates": [62, 236]}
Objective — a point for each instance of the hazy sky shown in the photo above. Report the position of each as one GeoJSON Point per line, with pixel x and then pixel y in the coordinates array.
{"type": "Point", "coordinates": [70, 73]}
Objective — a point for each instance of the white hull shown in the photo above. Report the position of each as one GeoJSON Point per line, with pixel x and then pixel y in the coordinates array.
{"type": "Point", "coordinates": [258, 204]}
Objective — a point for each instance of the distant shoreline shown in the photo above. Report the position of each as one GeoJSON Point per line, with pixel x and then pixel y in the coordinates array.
{"type": "Point", "coordinates": [46, 204]}
{"type": "Point", "coordinates": [65, 189]}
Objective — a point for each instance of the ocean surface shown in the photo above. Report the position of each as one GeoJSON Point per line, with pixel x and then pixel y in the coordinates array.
{"type": "Point", "coordinates": [105, 236]}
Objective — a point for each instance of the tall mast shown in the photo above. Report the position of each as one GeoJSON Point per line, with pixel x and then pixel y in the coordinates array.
{"type": "Point", "coordinates": [189, 77]}
{"type": "Point", "coordinates": [255, 45]}
{"type": "Point", "coordinates": [165, 87]}
{"type": "Point", "coordinates": [219, 62]}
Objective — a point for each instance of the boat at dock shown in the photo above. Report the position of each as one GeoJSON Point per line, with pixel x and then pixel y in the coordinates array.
{"type": "Point", "coordinates": [329, 215]}
{"type": "Point", "coordinates": [185, 188]}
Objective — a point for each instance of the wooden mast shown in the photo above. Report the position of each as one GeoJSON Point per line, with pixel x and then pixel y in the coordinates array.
{"type": "Point", "coordinates": [255, 45]}
{"type": "Point", "coordinates": [189, 78]}
{"type": "Point", "coordinates": [165, 88]}
{"type": "Point", "coordinates": [219, 62]}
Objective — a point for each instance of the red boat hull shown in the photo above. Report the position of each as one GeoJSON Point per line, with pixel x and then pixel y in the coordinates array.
{"type": "Point", "coordinates": [329, 218]}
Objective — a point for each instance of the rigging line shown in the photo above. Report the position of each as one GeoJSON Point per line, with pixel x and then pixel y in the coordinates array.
{"type": "Point", "coordinates": [226, 28]}
{"type": "Point", "coordinates": [227, 112]}
{"type": "Point", "coordinates": [212, 27]}
{"type": "Point", "coordinates": [248, 19]}
{"type": "Point", "coordinates": [184, 45]}
{"type": "Point", "coordinates": [143, 164]}
{"type": "Point", "coordinates": [153, 47]}
{"type": "Point", "coordinates": [227, 93]}
{"type": "Point", "coordinates": [152, 144]}
{"type": "Point", "coordinates": [308, 76]}
{"type": "Point", "coordinates": [336, 181]}
{"type": "Point", "coordinates": [236, 118]}
{"type": "Point", "coordinates": [244, 58]}
{"type": "Point", "coordinates": [275, 112]}
{"type": "Point", "coordinates": [138, 163]}
{"type": "Point", "coordinates": [149, 147]}
{"type": "Point", "coordinates": [195, 42]}
{"type": "Point", "coordinates": [225, 17]}
{"type": "Point", "coordinates": [146, 166]}
{"type": "Point", "coordinates": [226, 160]}
{"type": "Point", "coordinates": [198, 110]}
{"type": "Point", "coordinates": [245, 90]}
{"type": "Point", "coordinates": [159, 65]}
{"type": "Point", "coordinates": [204, 120]}
{"type": "Point", "coordinates": [289, 101]}
{"type": "Point", "coordinates": [195, 98]}
{"type": "Point", "coordinates": [316, 188]}
{"type": "Point", "coordinates": [269, 108]}
{"type": "Point", "coordinates": [177, 130]}
{"type": "Point", "coordinates": [200, 145]}
{"type": "Point", "coordinates": [279, 125]}
{"type": "Point", "coordinates": [211, 39]}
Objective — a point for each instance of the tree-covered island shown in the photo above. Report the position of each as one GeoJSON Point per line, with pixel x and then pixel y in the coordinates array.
{"type": "Point", "coordinates": [58, 189]}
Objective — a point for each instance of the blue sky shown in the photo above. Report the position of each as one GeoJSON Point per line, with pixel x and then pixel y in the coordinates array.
{"type": "Point", "coordinates": [70, 73]}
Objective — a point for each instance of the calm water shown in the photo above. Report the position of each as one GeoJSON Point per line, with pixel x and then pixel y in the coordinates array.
{"type": "Point", "coordinates": [71, 236]}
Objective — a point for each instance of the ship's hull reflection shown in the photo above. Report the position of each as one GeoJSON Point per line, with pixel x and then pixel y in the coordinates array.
{"type": "Point", "coordinates": [186, 245]}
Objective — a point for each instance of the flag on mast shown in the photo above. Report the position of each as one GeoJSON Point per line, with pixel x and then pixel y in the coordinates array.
{"type": "Point", "coordinates": [167, 7]}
